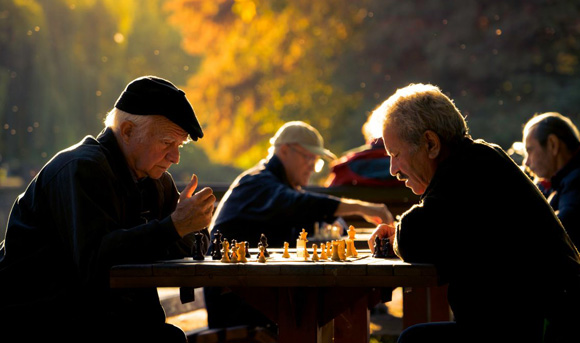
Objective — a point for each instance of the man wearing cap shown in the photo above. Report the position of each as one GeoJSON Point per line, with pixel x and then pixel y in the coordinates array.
{"type": "Point", "coordinates": [269, 199]}
{"type": "Point", "coordinates": [104, 201]}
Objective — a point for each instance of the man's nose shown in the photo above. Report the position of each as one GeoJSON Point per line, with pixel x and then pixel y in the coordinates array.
{"type": "Point", "coordinates": [173, 155]}
{"type": "Point", "coordinates": [393, 168]}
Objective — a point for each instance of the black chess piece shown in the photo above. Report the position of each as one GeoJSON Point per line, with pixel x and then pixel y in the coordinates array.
{"type": "Point", "coordinates": [217, 246]}
{"type": "Point", "coordinates": [378, 251]}
{"type": "Point", "coordinates": [264, 242]}
{"type": "Point", "coordinates": [386, 247]}
{"type": "Point", "coordinates": [248, 255]}
{"type": "Point", "coordinates": [198, 255]}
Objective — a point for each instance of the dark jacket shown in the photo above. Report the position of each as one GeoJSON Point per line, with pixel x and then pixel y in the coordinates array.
{"type": "Point", "coordinates": [497, 243]}
{"type": "Point", "coordinates": [82, 214]}
{"type": "Point", "coordinates": [565, 197]}
{"type": "Point", "coordinates": [261, 200]}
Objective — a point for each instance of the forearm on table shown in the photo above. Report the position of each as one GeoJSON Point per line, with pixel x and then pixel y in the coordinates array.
{"type": "Point", "coordinates": [348, 207]}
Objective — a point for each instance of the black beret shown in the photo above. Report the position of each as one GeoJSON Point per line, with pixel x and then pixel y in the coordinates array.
{"type": "Point", "coordinates": [151, 95]}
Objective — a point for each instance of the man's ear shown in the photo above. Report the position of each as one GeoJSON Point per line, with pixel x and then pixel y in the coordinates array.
{"type": "Point", "coordinates": [433, 144]}
{"type": "Point", "coordinates": [126, 130]}
{"type": "Point", "coordinates": [553, 144]}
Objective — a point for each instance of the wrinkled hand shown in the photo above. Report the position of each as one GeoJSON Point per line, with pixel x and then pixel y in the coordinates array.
{"type": "Point", "coordinates": [378, 214]}
{"type": "Point", "coordinates": [194, 211]}
{"type": "Point", "coordinates": [383, 230]}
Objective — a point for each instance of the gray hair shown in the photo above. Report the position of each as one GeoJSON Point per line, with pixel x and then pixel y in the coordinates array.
{"type": "Point", "coordinates": [116, 116]}
{"type": "Point", "coordinates": [420, 107]}
{"type": "Point", "coordinates": [554, 123]}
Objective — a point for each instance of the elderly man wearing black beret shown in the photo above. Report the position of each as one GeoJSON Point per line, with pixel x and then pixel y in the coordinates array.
{"type": "Point", "coordinates": [104, 201]}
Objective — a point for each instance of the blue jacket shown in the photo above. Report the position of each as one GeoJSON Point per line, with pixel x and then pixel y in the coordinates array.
{"type": "Point", "coordinates": [261, 200]}
{"type": "Point", "coordinates": [565, 197]}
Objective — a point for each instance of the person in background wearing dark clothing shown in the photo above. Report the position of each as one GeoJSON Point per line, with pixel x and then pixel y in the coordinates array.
{"type": "Point", "coordinates": [513, 273]}
{"type": "Point", "coordinates": [269, 199]}
{"type": "Point", "coordinates": [104, 201]}
{"type": "Point", "coordinates": [552, 145]}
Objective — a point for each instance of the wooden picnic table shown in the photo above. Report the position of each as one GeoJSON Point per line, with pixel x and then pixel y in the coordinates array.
{"type": "Point", "coordinates": [310, 301]}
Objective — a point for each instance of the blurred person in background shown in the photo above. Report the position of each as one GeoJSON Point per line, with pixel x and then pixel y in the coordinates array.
{"type": "Point", "coordinates": [105, 201]}
{"type": "Point", "coordinates": [366, 165]}
{"type": "Point", "coordinates": [269, 198]}
{"type": "Point", "coordinates": [552, 146]}
{"type": "Point", "coordinates": [512, 271]}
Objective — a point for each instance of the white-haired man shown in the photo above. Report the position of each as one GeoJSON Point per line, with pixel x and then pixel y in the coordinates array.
{"type": "Point", "coordinates": [512, 270]}
{"type": "Point", "coordinates": [104, 201]}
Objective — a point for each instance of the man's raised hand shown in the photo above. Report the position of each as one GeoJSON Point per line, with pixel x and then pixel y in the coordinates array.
{"type": "Point", "coordinates": [194, 209]}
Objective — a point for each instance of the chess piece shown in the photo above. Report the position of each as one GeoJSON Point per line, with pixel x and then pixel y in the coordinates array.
{"type": "Point", "coordinates": [323, 255]}
{"type": "Point", "coordinates": [351, 232]}
{"type": "Point", "coordinates": [264, 242]}
{"type": "Point", "coordinates": [305, 254]}
{"type": "Point", "coordinates": [242, 252]}
{"type": "Point", "coordinates": [226, 251]}
{"type": "Point", "coordinates": [342, 249]}
{"type": "Point", "coordinates": [303, 235]}
{"type": "Point", "coordinates": [378, 247]}
{"type": "Point", "coordinates": [286, 254]}
{"type": "Point", "coordinates": [198, 256]}
{"type": "Point", "coordinates": [349, 246]}
{"type": "Point", "coordinates": [387, 248]}
{"type": "Point", "coordinates": [248, 255]}
{"type": "Point", "coordinates": [328, 249]}
{"type": "Point", "coordinates": [314, 252]}
{"type": "Point", "coordinates": [217, 246]}
{"type": "Point", "coordinates": [335, 256]}
{"type": "Point", "coordinates": [351, 249]}
{"type": "Point", "coordinates": [262, 258]}
{"type": "Point", "coordinates": [234, 257]}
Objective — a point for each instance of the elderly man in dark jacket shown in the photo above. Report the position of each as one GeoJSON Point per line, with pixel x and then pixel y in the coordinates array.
{"type": "Point", "coordinates": [105, 201]}
{"type": "Point", "coordinates": [552, 146]}
{"type": "Point", "coordinates": [510, 266]}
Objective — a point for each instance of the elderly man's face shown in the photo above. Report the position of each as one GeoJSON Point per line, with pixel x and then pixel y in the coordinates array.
{"type": "Point", "coordinates": [414, 166]}
{"type": "Point", "coordinates": [299, 164]}
{"type": "Point", "coordinates": [538, 158]}
{"type": "Point", "coordinates": [152, 153]}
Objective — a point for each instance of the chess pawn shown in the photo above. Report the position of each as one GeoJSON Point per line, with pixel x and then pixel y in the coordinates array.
{"type": "Point", "coordinates": [328, 249]}
{"type": "Point", "coordinates": [335, 256]}
{"type": "Point", "coordinates": [264, 242]}
{"type": "Point", "coordinates": [306, 254]}
{"type": "Point", "coordinates": [286, 254]}
{"type": "Point", "coordinates": [242, 252]}
{"type": "Point", "coordinates": [234, 257]}
{"type": "Point", "coordinates": [314, 252]}
{"type": "Point", "coordinates": [262, 258]}
{"type": "Point", "coordinates": [323, 255]}
{"type": "Point", "coordinates": [226, 251]}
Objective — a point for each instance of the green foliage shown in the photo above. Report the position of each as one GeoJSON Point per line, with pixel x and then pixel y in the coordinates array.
{"type": "Point", "coordinates": [250, 65]}
{"type": "Point", "coordinates": [65, 62]}
{"type": "Point", "coordinates": [331, 63]}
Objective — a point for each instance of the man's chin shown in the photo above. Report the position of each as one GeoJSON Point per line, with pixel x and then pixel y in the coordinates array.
{"type": "Point", "coordinates": [416, 190]}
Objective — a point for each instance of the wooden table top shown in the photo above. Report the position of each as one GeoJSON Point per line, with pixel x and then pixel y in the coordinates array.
{"type": "Point", "coordinates": [363, 271]}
